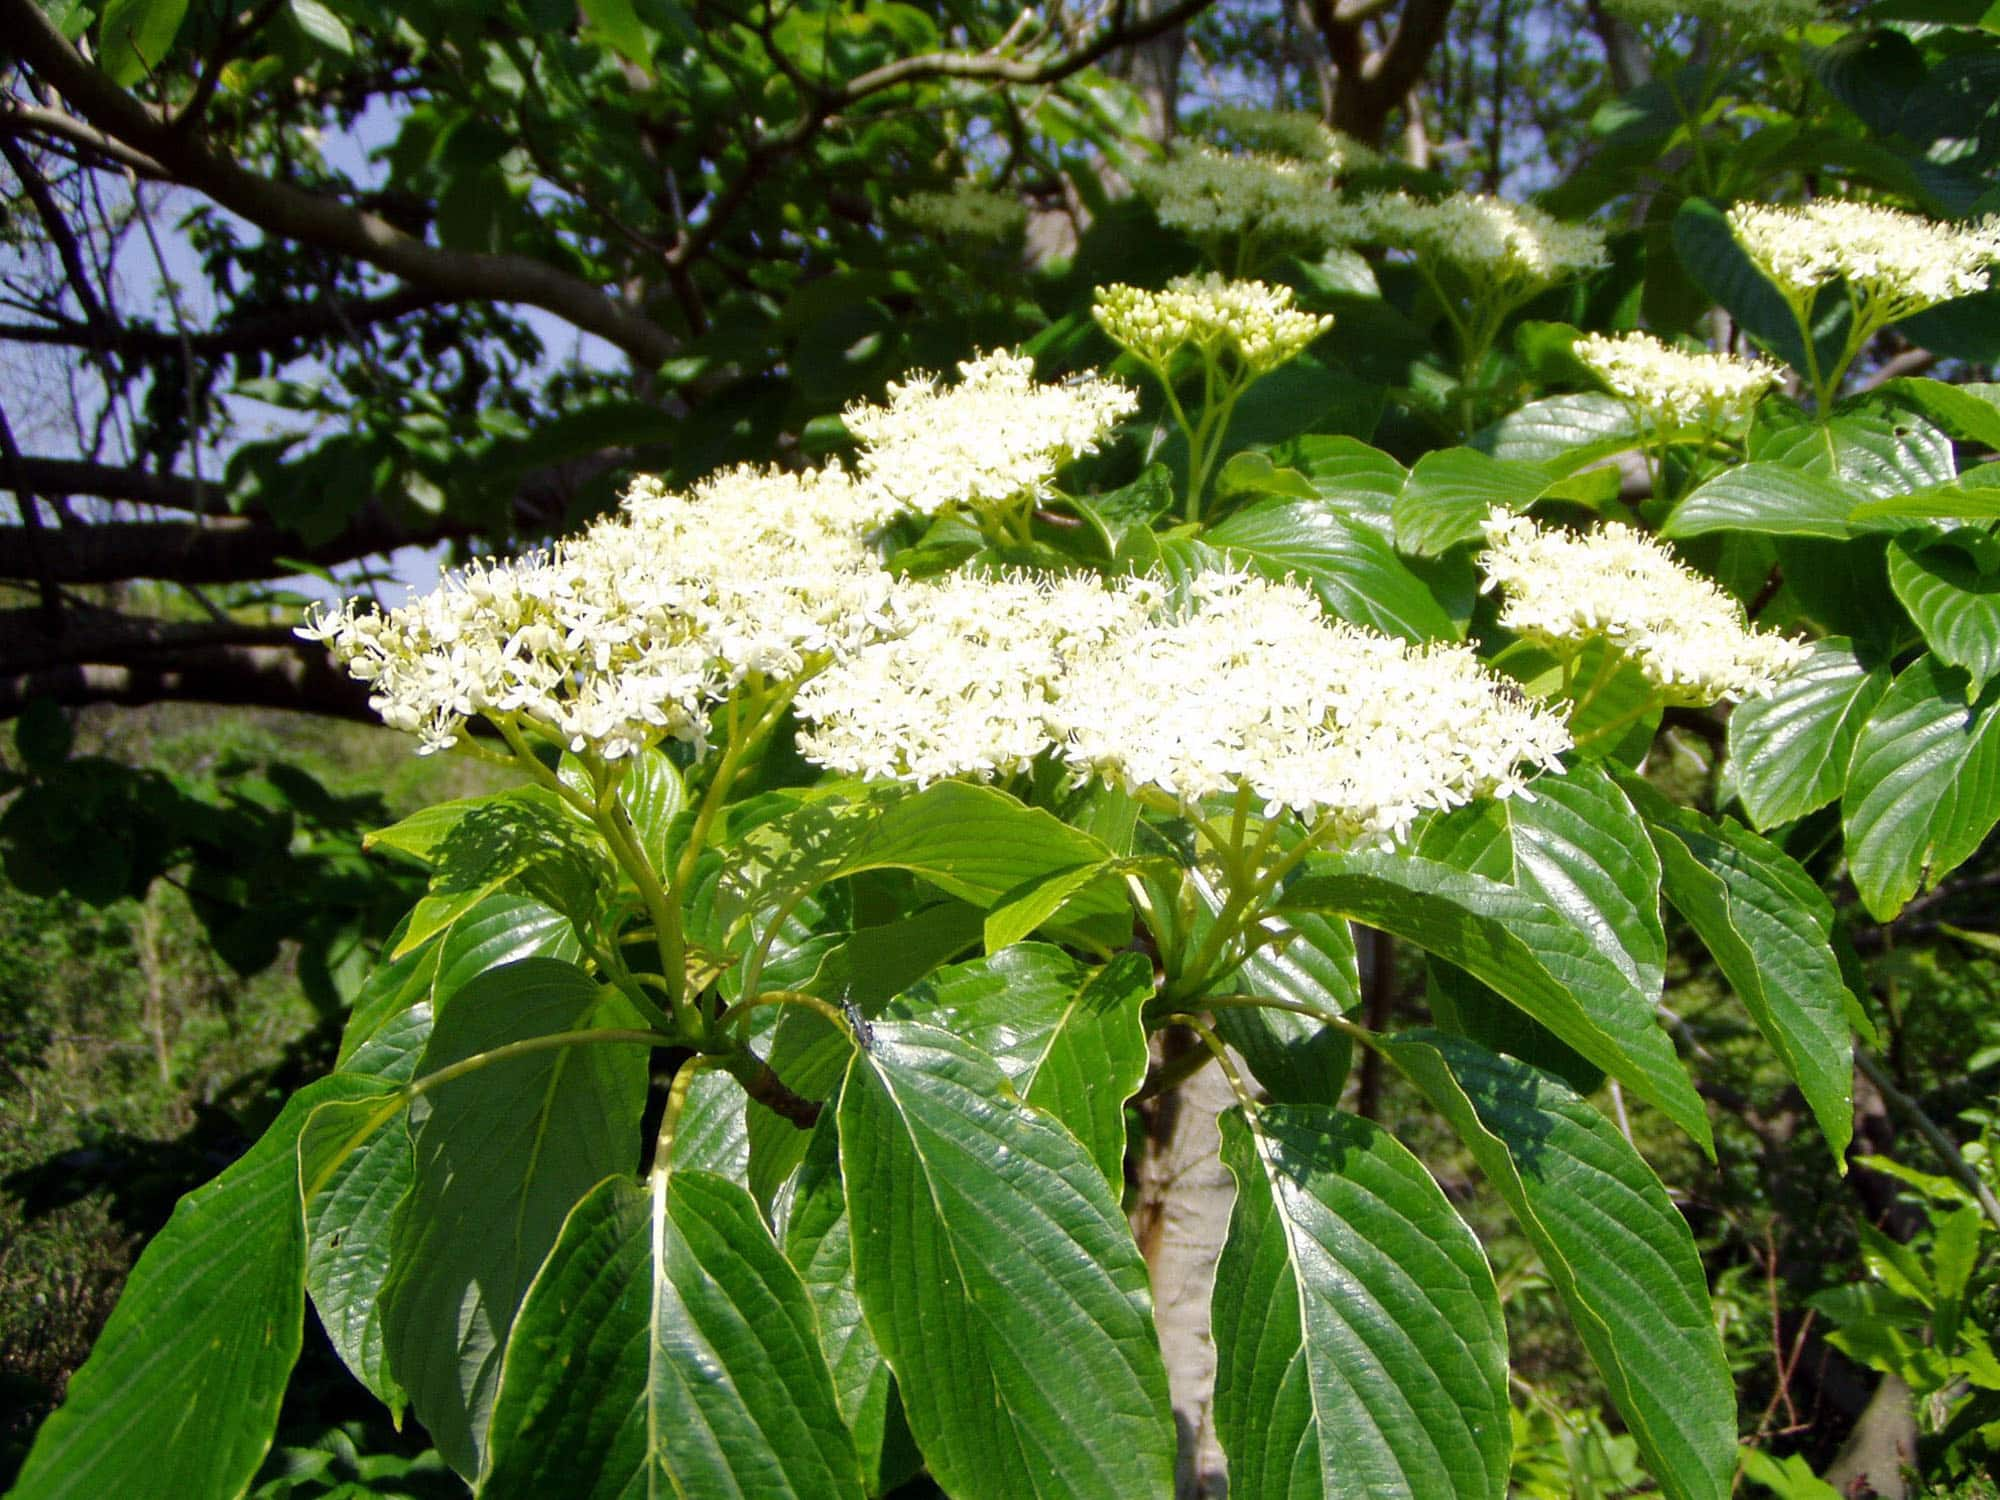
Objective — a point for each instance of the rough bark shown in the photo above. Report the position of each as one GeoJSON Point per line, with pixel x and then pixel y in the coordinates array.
{"type": "Point", "coordinates": [1363, 82]}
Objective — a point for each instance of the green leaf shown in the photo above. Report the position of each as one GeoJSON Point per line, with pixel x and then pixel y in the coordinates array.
{"type": "Point", "coordinates": [667, 1348]}
{"type": "Point", "coordinates": [43, 734]}
{"type": "Point", "coordinates": [1923, 789]}
{"type": "Point", "coordinates": [1361, 482]}
{"type": "Point", "coordinates": [1971, 411]}
{"type": "Point", "coordinates": [968, 1207]}
{"type": "Point", "coordinates": [1355, 572]}
{"type": "Point", "coordinates": [1578, 845]}
{"type": "Point", "coordinates": [714, 1130]}
{"type": "Point", "coordinates": [502, 1154]}
{"type": "Point", "coordinates": [180, 1394]}
{"type": "Point", "coordinates": [135, 36]}
{"type": "Point", "coordinates": [979, 844]}
{"type": "Point", "coordinates": [1869, 443]}
{"type": "Point", "coordinates": [619, 23]}
{"type": "Point", "coordinates": [1524, 948]}
{"type": "Point", "coordinates": [1771, 498]}
{"type": "Point", "coordinates": [1972, 496]}
{"type": "Point", "coordinates": [1360, 1348]}
{"type": "Point", "coordinates": [1562, 433]}
{"type": "Point", "coordinates": [818, 1241]}
{"type": "Point", "coordinates": [324, 27]}
{"type": "Point", "coordinates": [1623, 714]}
{"type": "Point", "coordinates": [1789, 748]}
{"type": "Point", "coordinates": [1951, 587]}
{"type": "Point", "coordinates": [1449, 493]}
{"type": "Point", "coordinates": [1770, 929]}
{"type": "Point", "coordinates": [1610, 1240]}
{"type": "Point", "coordinates": [356, 1167]}
{"type": "Point", "coordinates": [1252, 473]}
{"type": "Point", "coordinates": [1067, 1036]}
{"type": "Point", "coordinates": [1017, 914]}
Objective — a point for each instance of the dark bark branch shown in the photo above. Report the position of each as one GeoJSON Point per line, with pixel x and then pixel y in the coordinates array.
{"type": "Point", "coordinates": [239, 676]}
{"type": "Point", "coordinates": [18, 119]}
{"type": "Point", "coordinates": [75, 476]}
{"type": "Point", "coordinates": [218, 549]}
{"type": "Point", "coordinates": [292, 213]}
{"type": "Point", "coordinates": [1368, 83]}
{"type": "Point", "coordinates": [247, 335]}
{"type": "Point", "coordinates": [49, 211]}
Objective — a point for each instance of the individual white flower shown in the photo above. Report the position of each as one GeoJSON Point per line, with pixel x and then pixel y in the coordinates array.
{"type": "Point", "coordinates": [1690, 639]}
{"type": "Point", "coordinates": [1245, 681]}
{"type": "Point", "coordinates": [1216, 195]}
{"type": "Point", "coordinates": [966, 212]}
{"type": "Point", "coordinates": [1255, 321]}
{"type": "Point", "coordinates": [1673, 388]}
{"type": "Point", "coordinates": [611, 640]}
{"type": "Point", "coordinates": [962, 680]}
{"type": "Point", "coordinates": [1895, 263]}
{"type": "Point", "coordinates": [1288, 135]}
{"type": "Point", "coordinates": [1751, 18]}
{"type": "Point", "coordinates": [1513, 246]}
{"type": "Point", "coordinates": [995, 438]}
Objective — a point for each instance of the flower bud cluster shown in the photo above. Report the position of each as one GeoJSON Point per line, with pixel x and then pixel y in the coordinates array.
{"type": "Point", "coordinates": [1233, 680]}
{"type": "Point", "coordinates": [1211, 194]}
{"type": "Point", "coordinates": [1755, 19]}
{"type": "Point", "coordinates": [1513, 246]}
{"type": "Point", "coordinates": [1254, 320]}
{"type": "Point", "coordinates": [966, 212]}
{"type": "Point", "coordinates": [1287, 134]}
{"type": "Point", "coordinates": [1675, 389]}
{"type": "Point", "coordinates": [1895, 263]}
{"type": "Point", "coordinates": [988, 442]}
{"type": "Point", "coordinates": [1687, 636]}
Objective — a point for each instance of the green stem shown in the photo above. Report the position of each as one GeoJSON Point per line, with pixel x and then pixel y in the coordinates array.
{"type": "Point", "coordinates": [526, 1046]}
{"type": "Point", "coordinates": [670, 1122]}
{"type": "Point", "coordinates": [734, 1016]}
{"type": "Point", "coordinates": [1221, 1054]}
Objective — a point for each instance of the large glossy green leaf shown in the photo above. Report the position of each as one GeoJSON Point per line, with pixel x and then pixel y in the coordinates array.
{"type": "Point", "coordinates": [713, 1133]}
{"type": "Point", "coordinates": [1360, 1348]}
{"type": "Point", "coordinates": [357, 1165]}
{"type": "Point", "coordinates": [1360, 481]}
{"type": "Point", "coordinates": [1067, 1035]}
{"type": "Point", "coordinates": [1972, 496]}
{"type": "Point", "coordinates": [1562, 432]}
{"type": "Point", "coordinates": [180, 1394]}
{"type": "Point", "coordinates": [1923, 789]}
{"type": "Point", "coordinates": [818, 1241]}
{"type": "Point", "coordinates": [1770, 929]}
{"type": "Point", "coordinates": [1355, 572]}
{"type": "Point", "coordinates": [1771, 498]}
{"type": "Point", "coordinates": [1951, 587]}
{"type": "Point", "coordinates": [1450, 492]}
{"type": "Point", "coordinates": [502, 1154]}
{"type": "Point", "coordinates": [667, 1348]}
{"type": "Point", "coordinates": [134, 37]}
{"type": "Point", "coordinates": [1000, 1279]}
{"type": "Point", "coordinates": [1707, 248]}
{"type": "Point", "coordinates": [1525, 949]}
{"type": "Point", "coordinates": [1618, 1252]}
{"type": "Point", "coordinates": [1970, 411]}
{"type": "Point", "coordinates": [1578, 845]}
{"type": "Point", "coordinates": [1789, 748]}
{"type": "Point", "coordinates": [1870, 443]}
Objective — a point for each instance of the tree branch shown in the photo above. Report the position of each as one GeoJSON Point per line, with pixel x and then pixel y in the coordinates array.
{"type": "Point", "coordinates": [18, 119]}
{"type": "Point", "coordinates": [210, 549]}
{"type": "Point", "coordinates": [292, 213]}
{"type": "Point", "coordinates": [246, 335]}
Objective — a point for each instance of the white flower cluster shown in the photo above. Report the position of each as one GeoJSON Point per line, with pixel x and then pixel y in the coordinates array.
{"type": "Point", "coordinates": [1238, 681]}
{"type": "Point", "coordinates": [1686, 635]}
{"type": "Point", "coordinates": [1675, 389]}
{"type": "Point", "coordinates": [988, 442]}
{"type": "Point", "coordinates": [1289, 134]}
{"type": "Point", "coordinates": [1750, 18]}
{"type": "Point", "coordinates": [962, 681]}
{"type": "Point", "coordinates": [1896, 263]}
{"type": "Point", "coordinates": [1212, 194]}
{"type": "Point", "coordinates": [1254, 320]}
{"type": "Point", "coordinates": [967, 212]}
{"type": "Point", "coordinates": [630, 632]}
{"type": "Point", "coordinates": [1500, 244]}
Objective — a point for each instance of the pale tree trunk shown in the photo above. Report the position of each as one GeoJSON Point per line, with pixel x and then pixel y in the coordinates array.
{"type": "Point", "coordinates": [1181, 1219]}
